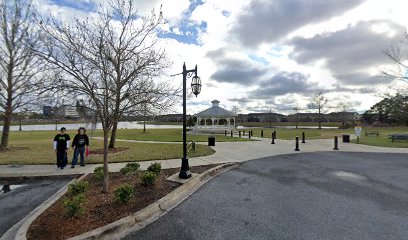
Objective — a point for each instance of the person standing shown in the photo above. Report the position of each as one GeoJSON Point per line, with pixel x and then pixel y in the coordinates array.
{"type": "Point", "coordinates": [61, 146]}
{"type": "Point", "coordinates": [79, 144]}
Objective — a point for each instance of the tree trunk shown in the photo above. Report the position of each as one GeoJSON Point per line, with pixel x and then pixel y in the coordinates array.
{"type": "Point", "coordinates": [297, 121]}
{"type": "Point", "coordinates": [113, 135]}
{"type": "Point", "coordinates": [144, 119]}
{"type": "Point", "coordinates": [6, 126]}
{"type": "Point", "coordinates": [344, 120]}
{"type": "Point", "coordinates": [320, 119]}
{"type": "Point", "coordinates": [105, 187]}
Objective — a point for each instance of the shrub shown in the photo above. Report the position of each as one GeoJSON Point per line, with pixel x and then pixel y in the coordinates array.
{"type": "Point", "coordinates": [155, 168]}
{"type": "Point", "coordinates": [74, 206]}
{"type": "Point", "coordinates": [98, 173]}
{"type": "Point", "coordinates": [130, 168]}
{"type": "Point", "coordinates": [124, 193]}
{"type": "Point", "coordinates": [135, 166]}
{"type": "Point", "coordinates": [148, 178]}
{"type": "Point", "coordinates": [77, 188]}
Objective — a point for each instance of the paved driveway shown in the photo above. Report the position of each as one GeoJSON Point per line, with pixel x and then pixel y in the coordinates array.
{"type": "Point", "coordinates": [324, 195]}
{"type": "Point", "coordinates": [15, 205]}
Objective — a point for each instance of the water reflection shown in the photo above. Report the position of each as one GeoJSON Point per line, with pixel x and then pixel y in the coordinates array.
{"type": "Point", "coordinates": [5, 189]}
{"type": "Point", "coordinates": [10, 187]}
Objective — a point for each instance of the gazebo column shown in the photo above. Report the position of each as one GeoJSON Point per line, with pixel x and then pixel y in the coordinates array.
{"type": "Point", "coordinates": [228, 119]}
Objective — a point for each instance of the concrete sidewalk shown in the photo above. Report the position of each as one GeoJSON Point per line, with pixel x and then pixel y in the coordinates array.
{"type": "Point", "coordinates": [225, 152]}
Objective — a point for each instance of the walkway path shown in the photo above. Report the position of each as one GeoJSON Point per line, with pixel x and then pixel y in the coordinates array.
{"type": "Point", "coordinates": [225, 152]}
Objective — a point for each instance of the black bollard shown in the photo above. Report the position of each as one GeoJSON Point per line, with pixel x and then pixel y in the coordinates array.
{"type": "Point", "coordinates": [261, 133]}
{"type": "Point", "coordinates": [225, 133]}
{"type": "Point", "coordinates": [273, 138]}
{"type": "Point", "coordinates": [303, 137]}
{"type": "Point", "coordinates": [239, 133]}
{"type": "Point", "coordinates": [336, 143]}
{"type": "Point", "coordinates": [232, 133]}
{"type": "Point", "coordinates": [297, 144]}
{"type": "Point", "coordinates": [274, 132]}
{"type": "Point", "coordinates": [243, 132]}
{"type": "Point", "coordinates": [249, 135]}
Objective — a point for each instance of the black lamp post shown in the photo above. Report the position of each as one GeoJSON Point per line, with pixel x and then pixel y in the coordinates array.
{"type": "Point", "coordinates": [196, 89]}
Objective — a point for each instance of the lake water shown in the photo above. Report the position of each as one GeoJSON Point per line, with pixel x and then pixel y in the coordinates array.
{"type": "Point", "coordinates": [74, 126]}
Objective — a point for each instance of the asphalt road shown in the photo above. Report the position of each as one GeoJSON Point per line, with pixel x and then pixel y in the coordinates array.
{"type": "Point", "coordinates": [327, 195]}
{"type": "Point", "coordinates": [16, 204]}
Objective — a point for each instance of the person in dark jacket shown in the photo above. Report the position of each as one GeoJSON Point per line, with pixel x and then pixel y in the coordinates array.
{"type": "Point", "coordinates": [80, 143]}
{"type": "Point", "coordinates": [61, 146]}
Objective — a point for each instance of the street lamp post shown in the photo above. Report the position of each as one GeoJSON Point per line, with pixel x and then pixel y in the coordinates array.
{"type": "Point", "coordinates": [196, 89]}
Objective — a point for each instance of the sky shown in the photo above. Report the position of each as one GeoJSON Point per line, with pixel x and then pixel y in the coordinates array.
{"type": "Point", "coordinates": [269, 55]}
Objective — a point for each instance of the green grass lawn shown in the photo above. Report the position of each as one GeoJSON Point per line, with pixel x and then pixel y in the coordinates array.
{"type": "Point", "coordinates": [383, 140]}
{"type": "Point", "coordinates": [39, 150]}
{"type": "Point", "coordinates": [166, 135]}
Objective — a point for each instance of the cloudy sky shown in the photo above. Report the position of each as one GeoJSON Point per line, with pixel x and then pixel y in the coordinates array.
{"type": "Point", "coordinates": [273, 54]}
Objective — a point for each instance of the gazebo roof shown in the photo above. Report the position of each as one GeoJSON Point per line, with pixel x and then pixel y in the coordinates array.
{"type": "Point", "coordinates": [216, 111]}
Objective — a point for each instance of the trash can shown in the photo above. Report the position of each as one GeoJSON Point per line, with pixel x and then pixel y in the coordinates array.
{"type": "Point", "coordinates": [211, 141]}
{"type": "Point", "coordinates": [346, 138]}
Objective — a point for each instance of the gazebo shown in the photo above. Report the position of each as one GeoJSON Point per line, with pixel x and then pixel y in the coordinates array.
{"type": "Point", "coordinates": [215, 119]}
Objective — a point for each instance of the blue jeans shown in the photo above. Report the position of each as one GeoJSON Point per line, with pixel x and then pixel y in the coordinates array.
{"type": "Point", "coordinates": [80, 151]}
{"type": "Point", "coordinates": [62, 158]}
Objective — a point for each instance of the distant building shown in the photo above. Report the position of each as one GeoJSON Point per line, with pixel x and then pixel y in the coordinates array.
{"type": "Point", "coordinates": [170, 118]}
{"type": "Point", "coordinates": [67, 111]}
{"type": "Point", "coordinates": [261, 117]}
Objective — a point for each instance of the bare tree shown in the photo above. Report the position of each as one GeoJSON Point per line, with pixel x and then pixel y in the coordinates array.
{"type": "Point", "coordinates": [21, 71]}
{"type": "Point", "coordinates": [159, 98]}
{"type": "Point", "coordinates": [108, 58]}
{"type": "Point", "coordinates": [344, 108]}
{"type": "Point", "coordinates": [296, 110]}
{"type": "Point", "coordinates": [398, 56]}
{"type": "Point", "coordinates": [319, 102]}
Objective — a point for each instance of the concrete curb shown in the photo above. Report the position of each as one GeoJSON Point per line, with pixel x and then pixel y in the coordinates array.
{"type": "Point", "coordinates": [20, 229]}
{"type": "Point", "coordinates": [154, 211]}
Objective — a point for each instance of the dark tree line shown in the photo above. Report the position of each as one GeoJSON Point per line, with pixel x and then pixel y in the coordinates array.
{"type": "Point", "coordinates": [390, 111]}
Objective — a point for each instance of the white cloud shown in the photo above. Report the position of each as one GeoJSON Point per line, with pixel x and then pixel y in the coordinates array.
{"type": "Point", "coordinates": [269, 46]}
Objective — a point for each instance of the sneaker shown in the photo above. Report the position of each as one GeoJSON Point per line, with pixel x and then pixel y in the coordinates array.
{"type": "Point", "coordinates": [58, 169]}
{"type": "Point", "coordinates": [62, 168]}
{"type": "Point", "coordinates": [82, 165]}
{"type": "Point", "coordinates": [72, 166]}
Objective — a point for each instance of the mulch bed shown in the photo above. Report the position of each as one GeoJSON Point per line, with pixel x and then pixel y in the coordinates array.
{"type": "Point", "coordinates": [102, 209]}
{"type": "Point", "coordinates": [99, 151]}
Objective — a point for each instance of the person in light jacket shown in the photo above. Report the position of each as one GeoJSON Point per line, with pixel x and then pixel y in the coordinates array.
{"type": "Point", "coordinates": [61, 146]}
{"type": "Point", "coordinates": [79, 144]}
